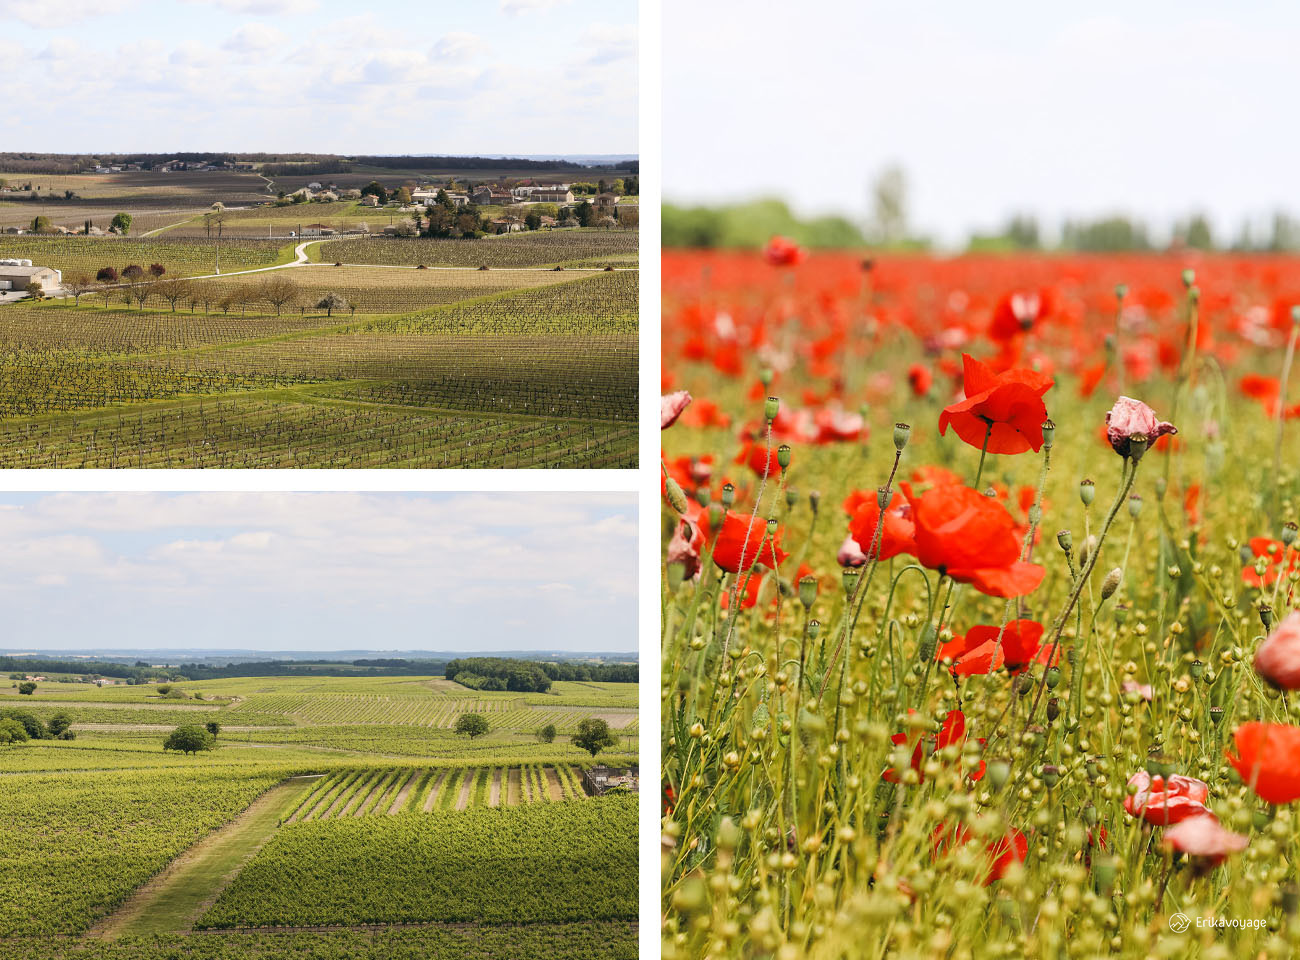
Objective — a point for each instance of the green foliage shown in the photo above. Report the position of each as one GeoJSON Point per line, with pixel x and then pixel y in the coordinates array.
{"type": "Point", "coordinates": [594, 736]}
{"type": "Point", "coordinates": [472, 724]}
{"type": "Point", "coordinates": [121, 223]}
{"type": "Point", "coordinates": [27, 688]}
{"type": "Point", "coordinates": [11, 731]}
{"type": "Point", "coordinates": [547, 733]}
{"type": "Point", "coordinates": [541, 862]}
{"type": "Point", "coordinates": [751, 225]}
{"type": "Point", "coordinates": [189, 738]}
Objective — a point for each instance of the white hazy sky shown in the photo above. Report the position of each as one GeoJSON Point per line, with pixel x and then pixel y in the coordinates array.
{"type": "Point", "coordinates": [1154, 109]}
{"type": "Point", "coordinates": [319, 571]}
{"type": "Point", "coordinates": [327, 76]}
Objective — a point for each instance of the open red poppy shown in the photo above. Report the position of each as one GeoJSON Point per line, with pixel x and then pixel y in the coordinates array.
{"type": "Point", "coordinates": [1268, 759]}
{"type": "Point", "coordinates": [739, 544]}
{"type": "Point", "coordinates": [897, 535]}
{"type": "Point", "coordinates": [972, 538]}
{"type": "Point", "coordinates": [1007, 408]}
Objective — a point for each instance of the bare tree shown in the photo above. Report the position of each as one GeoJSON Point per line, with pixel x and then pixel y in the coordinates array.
{"type": "Point", "coordinates": [142, 292]}
{"type": "Point", "coordinates": [331, 302]}
{"type": "Point", "coordinates": [81, 285]}
{"type": "Point", "coordinates": [279, 291]}
{"type": "Point", "coordinates": [174, 290]}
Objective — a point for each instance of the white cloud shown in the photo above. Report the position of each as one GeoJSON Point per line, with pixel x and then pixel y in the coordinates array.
{"type": "Point", "coordinates": [516, 7]}
{"type": "Point", "coordinates": [264, 8]}
{"type": "Point", "coordinates": [254, 38]}
{"type": "Point", "coordinates": [458, 46]}
{"type": "Point", "coordinates": [608, 43]}
{"type": "Point", "coordinates": [59, 14]}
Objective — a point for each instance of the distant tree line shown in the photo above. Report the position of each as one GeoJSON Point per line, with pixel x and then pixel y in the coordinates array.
{"type": "Point", "coordinates": [529, 676]}
{"type": "Point", "coordinates": [488, 163]}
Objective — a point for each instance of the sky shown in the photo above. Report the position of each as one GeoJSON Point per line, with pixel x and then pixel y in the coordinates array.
{"type": "Point", "coordinates": [319, 571]}
{"type": "Point", "coordinates": [325, 76]}
{"type": "Point", "coordinates": [1153, 109]}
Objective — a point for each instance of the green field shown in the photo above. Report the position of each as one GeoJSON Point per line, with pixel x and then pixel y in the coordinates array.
{"type": "Point", "coordinates": [518, 367]}
{"type": "Point", "coordinates": [358, 781]}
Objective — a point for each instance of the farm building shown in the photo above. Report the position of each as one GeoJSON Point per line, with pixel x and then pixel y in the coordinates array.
{"type": "Point", "coordinates": [370, 200]}
{"type": "Point", "coordinates": [16, 274]}
{"type": "Point", "coordinates": [602, 779]}
{"type": "Point", "coordinates": [317, 230]}
{"type": "Point", "coordinates": [551, 195]}
{"type": "Point", "coordinates": [507, 225]}
{"type": "Point", "coordinates": [488, 197]}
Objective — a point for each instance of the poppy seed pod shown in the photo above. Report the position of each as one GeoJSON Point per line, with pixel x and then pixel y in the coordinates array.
{"type": "Point", "coordinates": [771, 526]}
{"type": "Point", "coordinates": [771, 407]}
{"type": "Point", "coordinates": [814, 501]}
{"type": "Point", "coordinates": [1137, 445]}
{"type": "Point", "coordinates": [807, 591]}
{"type": "Point", "coordinates": [783, 455]}
{"type": "Point", "coordinates": [1111, 583]}
{"type": "Point", "coordinates": [1189, 277]}
{"type": "Point", "coordinates": [675, 495]}
{"type": "Point", "coordinates": [849, 577]}
{"type": "Point", "coordinates": [1052, 677]}
{"type": "Point", "coordinates": [1161, 486]}
{"type": "Point", "coordinates": [791, 498]}
{"type": "Point", "coordinates": [998, 772]}
{"type": "Point", "coordinates": [1290, 533]}
{"type": "Point", "coordinates": [883, 496]}
{"type": "Point", "coordinates": [1049, 433]}
{"type": "Point", "coordinates": [1051, 775]}
{"type": "Point", "coordinates": [1266, 616]}
{"type": "Point", "coordinates": [765, 377]}
{"type": "Point", "coordinates": [814, 629]}
{"type": "Point", "coordinates": [1087, 492]}
{"type": "Point", "coordinates": [1134, 505]}
{"type": "Point", "coordinates": [1053, 708]}
{"type": "Point", "coordinates": [902, 432]}
{"type": "Point", "coordinates": [728, 495]}
{"type": "Point", "coordinates": [1121, 291]}
{"type": "Point", "coordinates": [1066, 539]}
{"type": "Point", "coordinates": [703, 496]}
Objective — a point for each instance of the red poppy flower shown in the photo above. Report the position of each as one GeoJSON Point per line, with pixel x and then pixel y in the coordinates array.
{"type": "Point", "coordinates": [1011, 847]}
{"type": "Point", "coordinates": [951, 731]}
{"type": "Point", "coordinates": [756, 455]}
{"type": "Point", "coordinates": [972, 539]}
{"type": "Point", "coordinates": [740, 544]}
{"type": "Point", "coordinates": [897, 535]}
{"type": "Point", "coordinates": [1277, 555]}
{"type": "Point", "coordinates": [981, 651]}
{"type": "Point", "coordinates": [1202, 839]}
{"type": "Point", "coordinates": [920, 379]}
{"type": "Point", "coordinates": [1162, 801]}
{"type": "Point", "coordinates": [1278, 658]}
{"type": "Point", "coordinates": [1268, 759]}
{"type": "Point", "coordinates": [1009, 404]}
{"type": "Point", "coordinates": [783, 252]}
{"type": "Point", "coordinates": [1017, 312]}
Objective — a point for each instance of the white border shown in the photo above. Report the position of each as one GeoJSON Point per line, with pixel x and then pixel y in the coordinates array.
{"type": "Point", "coordinates": [651, 96]}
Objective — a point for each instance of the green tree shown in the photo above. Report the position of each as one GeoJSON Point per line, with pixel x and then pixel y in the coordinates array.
{"type": "Point", "coordinates": [533, 221]}
{"type": "Point", "coordinates": [42, 225]}
{"type": "Point", "coordinates": [121, 223]}
{"type": "Point", "coordinates": [59, 724]}
{"type": "Point", "coordinates": [33, 727]}
{"type": "Point", "coordinates": [331, 302]}
{"type": "Point", "coordinates": [594, 736]}
{"type": "Point", "coordinates": [213, 728]}
{"type": "Point", "coordinates": [473, 724]}
{"type": "Point", "coordinates": [27, 688]}
{"type": "Point", "coordinates": [189, 738]}
{"type": "Point", "coordinates": [11, 731]}
{"type": "Point", "coordinates": [584, 212]}
{"type": "Point", "coordinates": [547, 733]}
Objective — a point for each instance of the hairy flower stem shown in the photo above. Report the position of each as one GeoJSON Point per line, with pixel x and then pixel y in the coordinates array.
{"type": "Point", "coordinates": [733, 607]}
{"type": "Point", "coordinates": [1281, 416]}
{"type": "Point", "coordinates": [854, 604]}
{"type": "Point", "coordinates": [1130, 474]}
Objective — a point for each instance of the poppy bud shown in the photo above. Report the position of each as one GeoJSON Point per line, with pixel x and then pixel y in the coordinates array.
{"type": "Point", "coordinates": [1158, 765]}
{"type": "Point", "coordinates": [1093, 769]}
{"type": "Point", "coordinates": [728, 495]}
{"type": "Point", "coordinates": [850, 579]}
{"type": "Point", "coordinates": [902, 432]}
{"type": "Point", "coordinates": [771, 407]}
{"type": "Point", "coordinates": [1087, 492]}
{"type": "Point", "coordinates": [1053, 708]}
{"type": "Point", "coordinates": [998, 772]}
{"type": "Point", "coordinates": [1161, 486]}
{"type": "Point", "coordinates": [1025, 684]}
{"type": "Point", "coordinates": [1049, 433]}
{"type": "Point", "coordinates": [928, 643]}
{"type": "Point", "coordinates": [1052, 677]}
{"type": "Point", "coordinates": [675, 495]}
{"type": "Point", "coordinates": [1065, 539]}
{"type": "Point", "coordinates": [703, 496]}
{"type": "Point", "coordinates": [1051, 775]}
{"type": "Point", "coordinates": [814, 501]}
{"type": "Point", "coordinates": [1134, 505]}
{"type": "Point", "coordinates": [1189, 277]}
{"type": "Point", "coordinates": [883, 496]}
{"type": "Point", "coordinates": [783, 455]}
{"type": "Point", "coordinates": [791, 498]}
{"type": "Point", "coordinates": [1111, 583]}
{"type": "Point", "coordinates": [807, 591]}
{"type": "Point", "coordinates": [1121, 291]}
{"type": "Point", "coordinates": [1121, 613]}
{"type": "Point", "coordinates": [1089, 813]}
{"type": "Point", "coordinates": [1289, 533]}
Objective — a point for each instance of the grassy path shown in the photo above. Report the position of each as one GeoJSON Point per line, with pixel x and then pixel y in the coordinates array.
{"type": "Point", "coordinates": [172, 901]}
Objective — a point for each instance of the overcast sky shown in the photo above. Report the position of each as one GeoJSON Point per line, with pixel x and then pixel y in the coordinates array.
{"type": "Point", "coordinates": [319, 571]}
{"type": "Point", "coordinates": [1154, 109]}
{"type": "Point", "coordinates": [326, 76]}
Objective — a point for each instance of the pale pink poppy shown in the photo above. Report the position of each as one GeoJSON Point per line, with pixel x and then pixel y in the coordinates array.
{"type": "Point", "coordinates": [1202, 838]}
{"type": "Point", "coordinates": [1130, 418]}
{"type": "Point", "coordinates": [671, 406]}
{"type": "Point", "coordinates": [1278, 658]}
{"type": "Point", "coordinates": [850, 554]}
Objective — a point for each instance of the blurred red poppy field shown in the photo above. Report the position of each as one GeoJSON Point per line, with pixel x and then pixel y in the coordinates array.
{"type": "Point", "coordinates": [980, 614]}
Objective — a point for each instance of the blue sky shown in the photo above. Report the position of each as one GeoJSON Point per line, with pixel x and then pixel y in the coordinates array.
{"type": "Point", "coordinates": [327, 76]}
{"type": "Point", "coordinates": [1155, 109]}
{"type": "Point", "coordinates": [319, 571]}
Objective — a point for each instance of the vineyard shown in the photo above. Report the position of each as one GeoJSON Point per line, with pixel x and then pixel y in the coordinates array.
{"type": "Point", "coordinates": [362, 764]}
{"type": "Point", "coordinates": [179, 256]}
{"type": "Point", "coordinates": [535, 862]}
{"type": "Point", "coordinates": [433, 369]}
{"type": "Point", "coordinates": [591, 247]}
